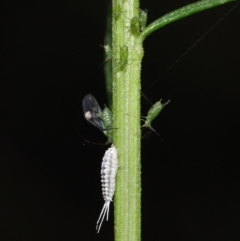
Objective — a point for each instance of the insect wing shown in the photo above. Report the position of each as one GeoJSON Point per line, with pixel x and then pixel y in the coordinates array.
{"type": "Point", "coordinates": [92, 111]}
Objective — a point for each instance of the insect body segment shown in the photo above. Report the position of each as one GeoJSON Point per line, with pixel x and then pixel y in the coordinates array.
{"type": "Point", "coordinates": [93, 114]}
{"type": "Point", "coordinates": [108, 175]}
{"type": "Point", "coordinates": [153, 113]}
{"type": "Point", "coordinates": [106, 117]}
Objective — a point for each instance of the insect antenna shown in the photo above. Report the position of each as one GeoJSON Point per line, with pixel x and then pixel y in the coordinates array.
{"type": "Point", "coordinates": [191, 47]}
{"type": "Point", "coordinates": [146, 98]}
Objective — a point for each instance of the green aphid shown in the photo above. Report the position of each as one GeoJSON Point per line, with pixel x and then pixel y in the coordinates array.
{"type": "Point", "coordinates": [117, 10]}
{"type": "Point", "coordinates": [106, 117]}
{"type": "Point", "coordinates": [153, 113]}
{"type": "Point", "coordinates": [123, 55]}
{"type": "Point", "coordinates": [134, 28]}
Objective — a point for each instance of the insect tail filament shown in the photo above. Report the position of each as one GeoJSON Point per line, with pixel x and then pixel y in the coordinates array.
{"type": "Point", "coordinates": [104, 212]}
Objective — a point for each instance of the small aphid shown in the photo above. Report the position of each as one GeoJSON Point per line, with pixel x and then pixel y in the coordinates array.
{"type": "Point", "coordinates": [117, 10]}
{"type": "Point", "coordinates": [142, 19]}
{"type": "Point", "coordinates": [108, 175]}
{"type": "Point", "coordinates": [153, 113]}
{"type": "Point", "coordinates": [93, 114]}
{"type": "Point", "coordinates": [138, 23]}
{"type": "Point", "coordinates": [106, 117]}
{"type": "Point", "coordinates": [108, 52]}
{"type": "Point", "coordinates": [134, 27]}
{"type": "Point", "coordinates": [123, 58]}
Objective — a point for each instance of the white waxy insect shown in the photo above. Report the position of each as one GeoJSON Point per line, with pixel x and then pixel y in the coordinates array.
{"type": "Point", "coordinates": [108, 175]}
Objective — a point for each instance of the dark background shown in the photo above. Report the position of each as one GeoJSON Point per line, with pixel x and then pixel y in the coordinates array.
{"type": "Point", "coordinates": [50, 178]}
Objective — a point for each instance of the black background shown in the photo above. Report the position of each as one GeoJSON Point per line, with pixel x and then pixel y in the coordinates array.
{"type": "Point", "coordinates": [50, 178]}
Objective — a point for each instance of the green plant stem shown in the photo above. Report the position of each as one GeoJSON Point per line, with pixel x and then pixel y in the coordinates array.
{"type": "Point", "coordinates": [126, 120]}
{"type": "Point", "coordinates": [108, 64]}
{"type": "Point", "coordinates": [181, 13]}
{"type": "Point", "coordinates": [127, 53]}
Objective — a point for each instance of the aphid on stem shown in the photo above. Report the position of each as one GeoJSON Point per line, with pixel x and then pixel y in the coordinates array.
{"type": "Point", "coordinates": [123, 58]}
{"type": "Point", "coordinates": [134, 26]}
{"type": "Point", "coordinates": [107, 52]}
{"type": "Point", "coordinates": [142, 19]}
{"type": "Point", "coordinates": [117, 10]}
{"type": "Point", "coordinates": [137, 24]}
{"type": "Point", "coordinates": [106, 117]}
{"type": "Point", "coordinates": [152, 114]}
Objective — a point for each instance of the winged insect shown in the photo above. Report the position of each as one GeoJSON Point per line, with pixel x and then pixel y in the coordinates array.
{"type": "Point", "coordinates": [94, 115]}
